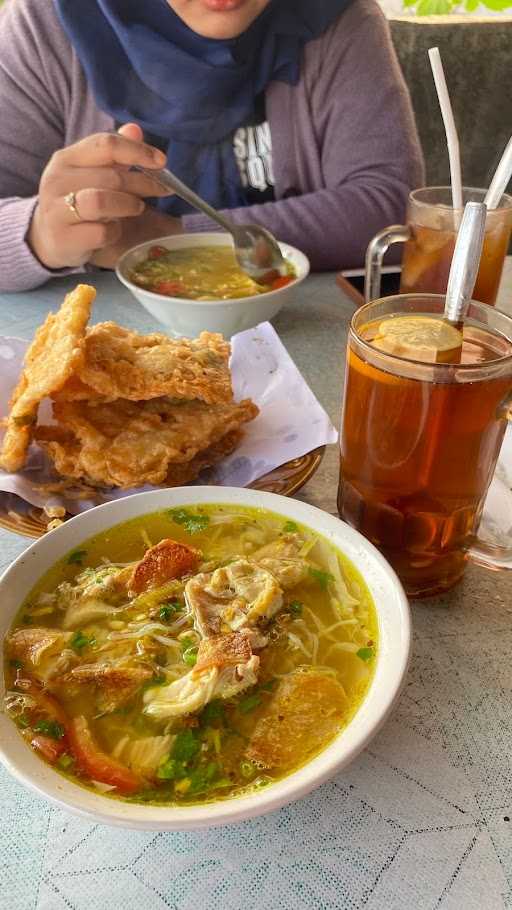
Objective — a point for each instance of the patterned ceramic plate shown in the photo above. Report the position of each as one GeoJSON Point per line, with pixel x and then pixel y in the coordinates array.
{"type": "Point", "coordinates": [30, 521]}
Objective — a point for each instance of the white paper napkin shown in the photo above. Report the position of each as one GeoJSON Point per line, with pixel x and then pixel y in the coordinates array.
{"type": "Point", "coordinates": [291, 420]}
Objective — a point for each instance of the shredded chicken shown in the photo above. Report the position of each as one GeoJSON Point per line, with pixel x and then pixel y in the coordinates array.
{"type": "Point", "coordinates": [230, 598]}
{"type": "Point", "coordinates": [95, 595]}
{"type": "Point", "coordinates": [39, 648]}
{"type": "Point", "coordinates": [84, 611]}
{"type": "Point", "coordinates": [281, 558]}
{"type": "Point", "coordinates": [225, 667]}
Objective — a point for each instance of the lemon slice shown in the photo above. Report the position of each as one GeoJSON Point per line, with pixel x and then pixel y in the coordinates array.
{"type": "Point", "coordinates": [422, 338]}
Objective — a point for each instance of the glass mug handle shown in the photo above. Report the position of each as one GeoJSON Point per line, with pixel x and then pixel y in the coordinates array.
{"type": "Point", "coordinates": [490, 555]}
{"type": "Point", "coordinates": [396, 233]}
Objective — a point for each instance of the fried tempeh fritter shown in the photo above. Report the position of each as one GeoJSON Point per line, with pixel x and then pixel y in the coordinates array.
{"type": "Point", "coordinates": [127, 443]}
{"type": "Point", "coordinates": [129, 409]}
{"type": "Point", "coordinates": [54, 355]}
{"type": "Point", "coordinates": [120, 363]}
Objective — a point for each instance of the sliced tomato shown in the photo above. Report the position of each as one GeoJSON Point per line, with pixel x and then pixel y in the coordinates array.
{"type": "Point", "coordinates": [50, 749]}
{"type": "Point", "coordinates": [163, 562]}
{"type": "Point", "coordinates": [281, 282]}
{"type": "Point", "coordinates": [97, 764]}
{"type": "Point", "coordinates": [156, 252]}
{"type": "Point", "coordinates": [169, 288]}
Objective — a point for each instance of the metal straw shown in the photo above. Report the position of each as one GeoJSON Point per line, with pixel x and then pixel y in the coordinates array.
{"type": "Point", "coordinates": [465, 262]}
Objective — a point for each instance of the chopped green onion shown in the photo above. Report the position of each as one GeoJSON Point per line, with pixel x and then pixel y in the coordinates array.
{"type": "Point", "coordinates": [202, 778]}
{"type": "Point", "coordinates": [192, 522]}
{"type": "Point", "coordinates": [157, 680]}
{"type": "Point", "coordinates": [50, 728]}
{"type": "Point", "coordinates": [76, 557]}
{"type": "Point", "coordinates": [185, 746]}
{"type": "Point", "coordinates": [365, 653]}
{"type": "Point", "coordinates": [190, 656]}
{"type": "Point", "coordinates": [180, 516]}
{"type": "Point", "coordinates": [213, 711]}
{"type": "Point", "coordinates": [16, 664]}
{"type": "Point", "coordinates": [268, 686]}
{"type": "Point", "coordinates": [245, 705]}
{"type": "Point", "coordinates": [323, 578]}
{"type": "Point", "coordinates": [296, 607]}
{"type": "Point", "coordinates": [81, 641]}
{"type": "Point", "coordinates": [65, 761]}
{"type": "Point", "coordinates": [289, 527]}
{"type": "Point", "coordinates": [170, 769]}
{"type": "Point", "coordinates": [168, 610]}
{"type": "Point", "coordinates": [247, 769]}
{"type": "Point", "coordinates": [189, 651]}
{"type": "Point", "coordinates": [23, 721]}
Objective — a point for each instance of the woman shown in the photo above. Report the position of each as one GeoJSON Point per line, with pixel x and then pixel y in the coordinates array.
{"type": "Point", "coordinates": [288, 113]}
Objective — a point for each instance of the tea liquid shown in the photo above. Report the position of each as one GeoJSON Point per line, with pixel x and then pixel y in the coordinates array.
{"type": "Point", "coordinates": [428, 255]}
{"type": "Point", "coordinates": [417, 456]}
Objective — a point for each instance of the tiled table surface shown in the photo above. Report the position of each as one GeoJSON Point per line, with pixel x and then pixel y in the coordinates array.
{"type": "Point", "coordinates": [419, 821]}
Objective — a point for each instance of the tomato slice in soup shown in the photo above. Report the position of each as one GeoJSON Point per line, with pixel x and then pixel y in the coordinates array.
{"type": "Point", "coordinates": [96, 763]}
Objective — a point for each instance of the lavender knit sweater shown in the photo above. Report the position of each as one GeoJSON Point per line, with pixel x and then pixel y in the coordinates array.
{"type": "Point", "coordinates": [345, 146]}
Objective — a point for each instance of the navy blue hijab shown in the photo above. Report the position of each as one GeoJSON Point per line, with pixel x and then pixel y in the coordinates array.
{"type": "Point", "coordinates": [145, 65]}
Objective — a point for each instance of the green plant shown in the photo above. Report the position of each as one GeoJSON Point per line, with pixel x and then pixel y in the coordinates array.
{"type": "Point", "coordinates": [445, 7]}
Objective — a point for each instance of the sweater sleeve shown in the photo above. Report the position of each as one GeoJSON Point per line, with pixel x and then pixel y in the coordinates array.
{"type": "Point", "coordinates": [370, 157]}
{"type": "Point", "coordinates": [32, 105]}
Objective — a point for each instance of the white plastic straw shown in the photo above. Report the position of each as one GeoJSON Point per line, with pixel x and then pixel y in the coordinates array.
{"type": "Point", "coordinates": [452, 138]}
{"type": "Point", "coordinates": [501, 177]}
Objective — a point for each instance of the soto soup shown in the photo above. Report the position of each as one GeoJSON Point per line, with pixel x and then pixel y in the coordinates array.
{"type": "Point", "coordinates": [200, 273]}
{"type": "Point", "coordinates": [191, 655]}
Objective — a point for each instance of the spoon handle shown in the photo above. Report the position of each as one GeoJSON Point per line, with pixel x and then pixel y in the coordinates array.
{"type": "Point", "coordinates": [170, 182]}
{"type": "Point", "coordinates": [465, 262]}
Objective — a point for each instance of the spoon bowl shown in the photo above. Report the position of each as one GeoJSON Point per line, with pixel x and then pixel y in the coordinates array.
{"type": "Point", "coordinates": [256, 250]}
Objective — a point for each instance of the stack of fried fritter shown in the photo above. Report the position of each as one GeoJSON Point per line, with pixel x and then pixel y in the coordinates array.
{"type": "Point", "coordinates": [129, 409]}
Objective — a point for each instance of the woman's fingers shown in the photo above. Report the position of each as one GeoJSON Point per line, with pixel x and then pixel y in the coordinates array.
{"type": "Point", "coordinates": [131, 131]}
{"type": "Point", "coordinates": [104, 149]}
{"type": "Point", "coordinates": [108, 178]}
{"type": "Point", "coordinates": [77, 244]}
{"type": "Point", "coordinates": [89, 237]}
{"type": "Point", "coordinates": [87, 192]}
{"type": "Point", "coordinates": [103, 205]}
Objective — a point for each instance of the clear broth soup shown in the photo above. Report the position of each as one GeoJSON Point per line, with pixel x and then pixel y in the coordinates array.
{"type": "Point", "coordinates": [200, 273]}
{"type": "Point", "coordinates": [191, 655]}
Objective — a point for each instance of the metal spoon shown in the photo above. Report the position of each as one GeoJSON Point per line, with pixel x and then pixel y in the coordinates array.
{"type": "Point", "coordinates": [463, 271]}
{"type": "Point", "coordinates": [465, 262]}
{"type": "Point", "coordinates": [256, 250]}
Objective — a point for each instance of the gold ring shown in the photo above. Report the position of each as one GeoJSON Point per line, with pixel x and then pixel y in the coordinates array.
{"type": "Point", "coordinates": [70, 201]}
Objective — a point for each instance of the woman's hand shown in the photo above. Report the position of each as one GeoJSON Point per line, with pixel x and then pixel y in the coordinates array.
{"type": "Point", "coordinates": [149, 226]}
{"type": "Point", "coordinates": [108, 196]}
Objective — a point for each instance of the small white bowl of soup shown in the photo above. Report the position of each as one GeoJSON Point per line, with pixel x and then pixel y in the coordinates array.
{"type": "Point", "coordinates": [195, 656]}
{"type": "Point", "coordinates": [192, 283]}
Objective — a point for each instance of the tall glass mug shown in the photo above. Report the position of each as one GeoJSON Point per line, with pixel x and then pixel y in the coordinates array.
{"type": "Point", "coordinates": [420, 441]}
{"type": "Point", "coordinates": [429, 237]}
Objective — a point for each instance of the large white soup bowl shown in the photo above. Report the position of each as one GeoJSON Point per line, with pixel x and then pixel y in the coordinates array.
{"type": "Point", "coordinates": [190, 317]}
{"type": "Point", "coordinates": [391, 663]}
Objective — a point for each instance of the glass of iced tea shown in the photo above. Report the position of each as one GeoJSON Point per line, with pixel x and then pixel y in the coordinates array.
{"type": "Point", "coordinates": [429, 237]}
{"type": "Point", "coordinates": [424, 415]}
